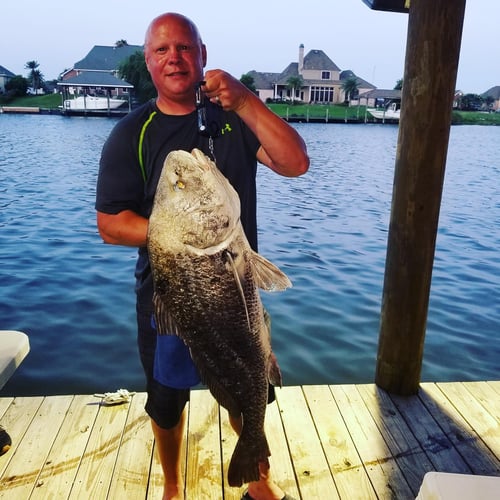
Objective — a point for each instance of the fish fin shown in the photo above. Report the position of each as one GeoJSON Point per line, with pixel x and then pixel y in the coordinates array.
{"type": "Point", "coordinates": [268, 276]}
{"type": "Point", "coordinates": [164, 323]}
{"type": "Point", "coordinates": [273, 371]}
{"type": "Point", "coordinates": [244, 464]}
{"type": "Point", "coordinates": [237, 280]}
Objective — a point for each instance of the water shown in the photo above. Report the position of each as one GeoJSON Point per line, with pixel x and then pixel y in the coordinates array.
{"type": "Point", "coordinates": [327, 230]}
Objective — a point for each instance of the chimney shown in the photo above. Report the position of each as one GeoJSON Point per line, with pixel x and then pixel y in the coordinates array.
{"type": "Point", "coordinates": [301, 58]}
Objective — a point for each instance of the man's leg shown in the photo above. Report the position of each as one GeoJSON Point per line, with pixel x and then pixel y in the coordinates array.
{"type": "Point", "coordinates": [168, 445]}
{"type": "Point", "coordinates": [265, 488]}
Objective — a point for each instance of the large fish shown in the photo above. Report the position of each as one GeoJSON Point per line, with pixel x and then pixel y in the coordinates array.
{"type": "Point", "coordinates": [206, 280]}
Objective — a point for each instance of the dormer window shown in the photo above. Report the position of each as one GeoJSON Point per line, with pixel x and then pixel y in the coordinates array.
{"type": "Point", "coordinates": [325, 75]}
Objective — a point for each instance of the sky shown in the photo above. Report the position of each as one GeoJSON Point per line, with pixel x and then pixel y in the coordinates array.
{"type": "Point", "coordinates": [261, 35]}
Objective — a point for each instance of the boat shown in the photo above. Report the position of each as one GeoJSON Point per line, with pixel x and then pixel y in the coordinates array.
{"type": "Point", "coordinates": [92, 103]}
{"type": "Point", "coordinates": [390, 113]}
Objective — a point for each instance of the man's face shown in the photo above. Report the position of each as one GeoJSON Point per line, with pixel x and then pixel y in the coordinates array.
{"type": "Point", "coordinates": [175, 59]}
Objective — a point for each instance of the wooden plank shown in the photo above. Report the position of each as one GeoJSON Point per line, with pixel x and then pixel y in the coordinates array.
{"type": "Point", "coordinates": [487, 396]}
{"type": "Point", "coordinates": [349, 475]}
{"type": "Point", "coordinates": [438, 447]}
{"type": "Point", "coordinates": [4, 405]}
{"type": "Point", "coordinates": [21, 475]}
{"type": "Point", "coordinates": [406, 450]}
{"type": "Point", "coordinates": [281, 465]}
{"type": "Point", "coordinates": [464, 438]}
{"type": "Point", "coordinates": [204, 469]}
{"type": "Point", "coordinates": [57, 476]}
{"type": "Point", "coordinates": [385, 475]}
{"type": "Point", "coordinates": [495, 384]}
{"type": "Point", "coordinates": [485, 424]}
{"type": "Point", "coordinates": [130, 478]}
{"type": "Point", "coordinates": [17, 419]}
{"type": "Point", "coordinates": [311, 467]}
{"type": "Point", "coordinates": [97, 467]}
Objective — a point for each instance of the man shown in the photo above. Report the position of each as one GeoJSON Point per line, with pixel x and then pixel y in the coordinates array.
{"type": "Point", "coordinates": [131, 163]}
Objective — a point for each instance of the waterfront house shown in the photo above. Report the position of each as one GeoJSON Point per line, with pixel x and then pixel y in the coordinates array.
{"type": "Point", "coordinates": [321, 80]}
{"type": "Point", "coordinates": [5, 76]}
{"type": "Point", "coordinates": [494, 93]}
{"type": "Point", "coordinates": [97, 73]}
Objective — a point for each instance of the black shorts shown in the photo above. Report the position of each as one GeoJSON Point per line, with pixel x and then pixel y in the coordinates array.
{"type": "Point", "coordinates": [164, 404]}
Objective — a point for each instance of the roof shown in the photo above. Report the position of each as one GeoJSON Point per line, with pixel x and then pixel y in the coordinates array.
{"type": "Point", "coordinates": [317, 59]}
{"type": "Point", "coordinates": [106, 58]}
{"type": "Point", "coordinates": [97, 79]}
{"type": "Point", "coordinates": [263, 80]}
{"type": "Point", "coordinates": [6, 72]}
{"type": "Point", "coordinates": [346, 74]}
{"type": "Point", "coordinates": [382, 94]}
{"type": "Point", "coordinates": [493, 92]}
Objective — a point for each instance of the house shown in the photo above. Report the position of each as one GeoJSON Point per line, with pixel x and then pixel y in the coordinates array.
{"type": "Point", "coordinates": [494, 93]}
{"type": "Point", "coordinates": [321, 79]}
{"type": "Point", "coordinates": [5, 76]}
{"type": "Point", "coordinates": [380, 98]}
{"type": "Point", "coordinates": [97, 73]}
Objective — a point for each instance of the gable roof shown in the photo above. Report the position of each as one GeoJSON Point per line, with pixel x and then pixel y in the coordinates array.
{"type": "Point", "coordinates": [5, 72]}
{"type": "Point", "coordinates": [493, 92]}
{"type": "Point", "coordinates": [317, 59]}
{"type": "Point", "coordinates": [106, 58]}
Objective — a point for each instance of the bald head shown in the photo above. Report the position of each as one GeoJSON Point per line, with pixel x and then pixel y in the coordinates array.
{"type": "Point", "coordinates": [170, 18]}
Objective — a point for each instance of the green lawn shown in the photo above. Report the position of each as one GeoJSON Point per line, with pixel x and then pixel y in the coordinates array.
{"type": "Point", "coordinates": [287, 110]}
{"type": "Point", "coordinates": [50, 101]}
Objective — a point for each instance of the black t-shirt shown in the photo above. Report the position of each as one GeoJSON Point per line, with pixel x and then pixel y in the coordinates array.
{"type": "Point", "coordinates": [133, 156]}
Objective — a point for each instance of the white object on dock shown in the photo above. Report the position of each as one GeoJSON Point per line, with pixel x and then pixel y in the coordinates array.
{"type": "Point", "coordinates": [14, 346]}
{"type": "Point", "coordinates": [115, 398]}
{"type": "Point", "coordinates": [448, 486]}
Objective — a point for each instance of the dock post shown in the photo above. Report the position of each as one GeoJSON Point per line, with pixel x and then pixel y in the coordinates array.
{"type": "Point", "coordinates": [432, 53]}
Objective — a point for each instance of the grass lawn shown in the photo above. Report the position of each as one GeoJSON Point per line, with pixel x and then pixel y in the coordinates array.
{"type": "Point", "coordinates": [287, 110]}
{"type": "Point", "coordinates": [49, 101]}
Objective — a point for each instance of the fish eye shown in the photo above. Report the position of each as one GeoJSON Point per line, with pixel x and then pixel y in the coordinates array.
{"type": "Point", "coordinates": [179, 185]}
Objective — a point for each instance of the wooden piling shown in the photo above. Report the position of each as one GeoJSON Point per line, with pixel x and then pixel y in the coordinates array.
{"type": "Point", "coordinates": [432, 53]}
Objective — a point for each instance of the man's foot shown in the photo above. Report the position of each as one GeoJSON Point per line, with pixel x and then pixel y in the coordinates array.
{"type": "Point", "coordinates": [173, 492]}
{"type": "Point", "coordinates": [247, 496]}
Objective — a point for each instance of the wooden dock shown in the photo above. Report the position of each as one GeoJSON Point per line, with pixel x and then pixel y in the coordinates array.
{"type": "Point", "coordinates": [328, 442]}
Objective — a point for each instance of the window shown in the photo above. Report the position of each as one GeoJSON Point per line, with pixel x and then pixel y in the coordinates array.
{"type": "Point", "coordinates": [325, 75]}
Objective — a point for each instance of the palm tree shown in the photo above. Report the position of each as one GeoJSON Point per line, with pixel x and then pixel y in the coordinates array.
{"type": "Point", "coordinates": [350, 88]}
{"type": "Point", "coordinates": [35, 76]}
{"type": "Point", "coordinates": [294, 83]}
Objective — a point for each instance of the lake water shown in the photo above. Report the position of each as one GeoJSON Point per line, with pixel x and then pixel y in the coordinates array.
{"type": "Point", "coordinates": [327, 230]}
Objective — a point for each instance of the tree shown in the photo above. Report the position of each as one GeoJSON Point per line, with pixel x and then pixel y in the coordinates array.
{"type": "Point", "coordinates": [350, 88]}
{"type": "Point", "coordinates": [134, 70]}
{"type": "Point", "coordinates": [34, 75]}
{"type": "Point", "coordinates": [399, 85]}
{"type": "Point", "coordinates": [16, 87]}
{"type": "Point", "coordinates": [471, 102]}
{"type": "Point", "coordinates": [294, 83]}
{"type": "Point", "coordinates": [121, 43]}
{"type": "Point", "coordinates": [249, 82]}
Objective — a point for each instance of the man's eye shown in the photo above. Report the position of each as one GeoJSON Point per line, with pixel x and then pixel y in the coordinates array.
{"type": "Point", "coordinates": [184, 47]}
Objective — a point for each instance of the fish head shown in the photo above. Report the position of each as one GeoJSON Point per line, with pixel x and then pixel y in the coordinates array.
{"type": "Point", "coordinates": [195, 202]}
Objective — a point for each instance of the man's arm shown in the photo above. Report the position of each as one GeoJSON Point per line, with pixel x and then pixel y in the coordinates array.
{"type": "Point", "coordinates": [282, 149]}
{"type": "Point", "coordinates": [125, 228]}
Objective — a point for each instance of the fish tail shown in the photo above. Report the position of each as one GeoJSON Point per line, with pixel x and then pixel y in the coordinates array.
{"type": "Point", "coordinates": [244, 464]}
